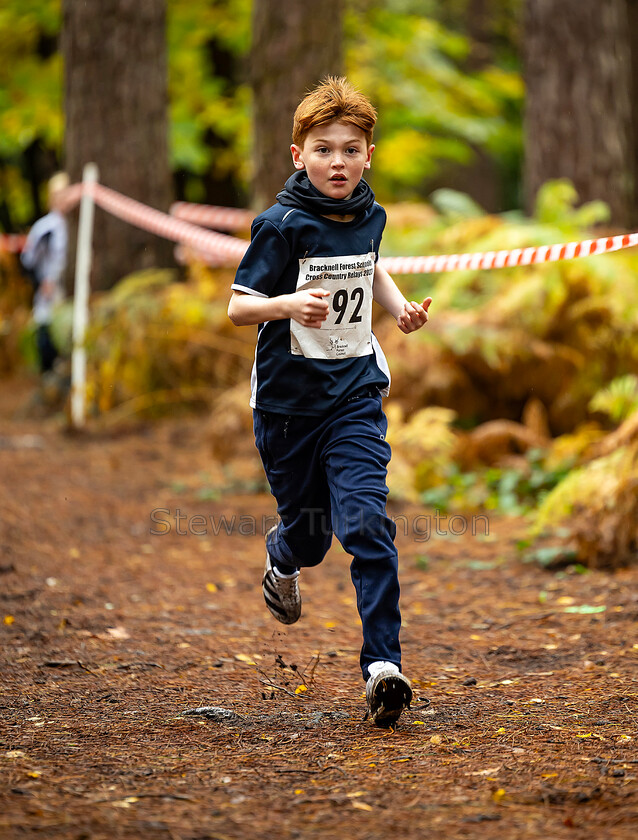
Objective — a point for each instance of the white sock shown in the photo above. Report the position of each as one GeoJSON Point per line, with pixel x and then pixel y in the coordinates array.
{"type": "Point", "coordinates": [282, 575]}
{"type": "Point", "coordinates": [376, 667]}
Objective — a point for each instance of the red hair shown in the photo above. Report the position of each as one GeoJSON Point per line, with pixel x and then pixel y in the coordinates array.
{"type": "Point", "coordinates": [334, 99]}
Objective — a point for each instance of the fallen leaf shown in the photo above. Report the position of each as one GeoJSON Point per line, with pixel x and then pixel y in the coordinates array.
{"type": "Point", "coordinates": [125, 803]}
{"type": "Point", "coordinates": [8, 619]}
{"type": "Point", "coordinates": [498, 795]}
{"type": "Point", "coordinates": [300, 689]}
{"type": "Point", "coordinates": [361, 806]}
{"type": "Point", "coordinates": [118, 632]}
{"type": "Point", "coordinates": [211, 587]}
{"type": "Point", "coordinates": [242, 657]}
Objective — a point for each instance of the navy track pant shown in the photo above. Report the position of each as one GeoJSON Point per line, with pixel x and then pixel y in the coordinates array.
{"type": "Point", "coordinates": [328, 476]}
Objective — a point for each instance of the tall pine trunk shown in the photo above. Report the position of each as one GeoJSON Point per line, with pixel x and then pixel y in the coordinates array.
{"type": "Point", "coordinates": [116, 105]}
{"type": "Point", "coordinates": [294, 46]}
{"type": "Point", "coordinates": [632, 28]}
{"type": "Point", "coordinates": [578, 121]}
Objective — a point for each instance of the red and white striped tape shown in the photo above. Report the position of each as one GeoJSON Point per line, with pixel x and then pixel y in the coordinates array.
{"type": "Point", "coordinates": [12, 243]}
{"type": "Point", "coordinates": [208, 215]}
{"type": "Point", "coordinates": [213, 247]}
{"type": "Point", "coordinates": [184, 227]}
{"type": "Point", "coordinates": [503, 259]}
{"type": "Point", "coordinates": [218, 245]}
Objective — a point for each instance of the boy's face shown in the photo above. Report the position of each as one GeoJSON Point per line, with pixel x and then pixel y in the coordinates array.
{"type": "Point", "coordinates": [334, 155]}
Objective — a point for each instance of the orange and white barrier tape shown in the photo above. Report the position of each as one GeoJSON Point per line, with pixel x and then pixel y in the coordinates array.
{"type": "Point", "coordinates": [12, 243]}
{"type": "Point", "coordinates": [185, 227]}
{"type": "Point", "coordinates": [503, 259]}
{"type": "Point", "coordinates": [218, 245]}
{"type": "Point", "coordinates": [208, 215]}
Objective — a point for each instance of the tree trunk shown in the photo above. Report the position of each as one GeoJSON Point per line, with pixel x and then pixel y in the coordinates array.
{"type": "Point", "coordinates": [632, 29]}
{"type": "Point", "coordinates": [294, 47]}
{"type": "Point", "coordinates": [578, 112]}
{"type": "Point", "coordinates": [116, 105]}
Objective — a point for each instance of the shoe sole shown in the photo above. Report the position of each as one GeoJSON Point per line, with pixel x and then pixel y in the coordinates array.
{"type": "Point", "coordinates": [391, 697]}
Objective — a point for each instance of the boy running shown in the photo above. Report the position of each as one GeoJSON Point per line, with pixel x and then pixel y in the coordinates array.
{"type": "Point", "coordinates": [308, 279]}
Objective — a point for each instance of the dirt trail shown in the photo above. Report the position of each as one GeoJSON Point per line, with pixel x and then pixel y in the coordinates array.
{"type": "Point", "coordinates": [110, 633]}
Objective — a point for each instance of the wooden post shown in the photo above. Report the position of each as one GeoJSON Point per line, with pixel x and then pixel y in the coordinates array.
{"type": "Point", "coordinates": [81, 297]}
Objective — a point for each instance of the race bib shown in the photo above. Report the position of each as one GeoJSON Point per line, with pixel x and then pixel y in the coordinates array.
{"type": "Point", "coordinates": [347, 331]}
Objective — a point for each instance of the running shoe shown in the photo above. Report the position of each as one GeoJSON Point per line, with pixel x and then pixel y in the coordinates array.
{"type": "Point", "coordinates": [388, 693]}
{"type": "Point", "coordinates": [281, 593]}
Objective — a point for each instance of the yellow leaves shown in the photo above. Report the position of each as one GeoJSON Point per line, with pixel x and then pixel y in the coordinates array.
{"type": "Point", "coordinates": [436, 740]}
{"type": "Point", "coordinates": [330, 625]}
{"type": "Point", "coordinates": [421, 446]}
{"type": "Point", "coordinates": [211, 587]}
{"type": "Point", "coordinates": [499, 795]}
{"type": "Point", "coordinates": [249, 660]}
{"type": "Point", "coordinates": [125, 803]}
{"type": "Point", "coordinates": [356, 803]}
{"type": "Point", "coordinates": [34, 774]}
{"type": "Point", "coordinates": [361, 806]}
{"type": "Point", "coordinates": [565, 601]}
{"type": "Point", "coordinates": [300, 689]}
{"type": "Point", "coordinates": [8, 620]}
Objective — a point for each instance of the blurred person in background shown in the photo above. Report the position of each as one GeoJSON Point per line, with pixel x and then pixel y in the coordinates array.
{"type": "Point", "coordinates": [44, 260]}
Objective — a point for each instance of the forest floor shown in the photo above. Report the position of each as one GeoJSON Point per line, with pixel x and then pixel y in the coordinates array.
{"type": "Point", "coordinates": [524, 722]}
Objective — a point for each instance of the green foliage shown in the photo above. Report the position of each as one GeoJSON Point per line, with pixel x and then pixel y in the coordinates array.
{"type": "Point", "coordinates": [596, 507]}
{"type": "Point", "coordinates": [30, 93]}
{"type": "Point", "coordinates": [559, 331]}
{"type": "Point", "coordinates": [455, 205]}
{"type": "Point", "coordinates": [205, 99]}
{"type": "Point", "coordinates": [618, 400]}
{"type": "Point", "coordinates": [154, 342]}
{"type": "Point", "coordinates": [434, 110]}
{"type": "Point", "coordinates": [411, 57]}
{"type": "Point", "coordinates": [510, 490]}
{"type": "Point", "coordinates": [556, 205]}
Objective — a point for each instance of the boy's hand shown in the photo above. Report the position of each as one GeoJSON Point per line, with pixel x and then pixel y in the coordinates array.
{"type": "Point", "coordinates": [413, 315]}
{"type": "Point", "coordinates": [309, 308]}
